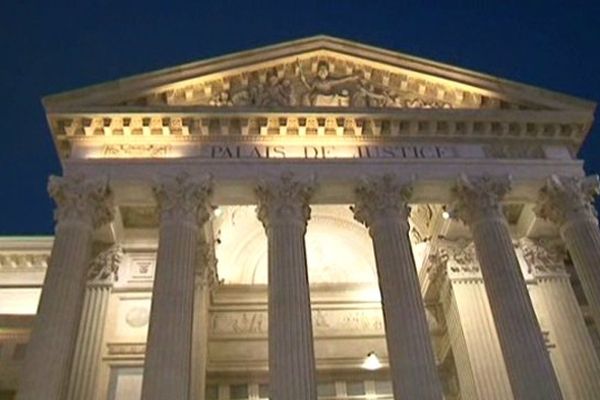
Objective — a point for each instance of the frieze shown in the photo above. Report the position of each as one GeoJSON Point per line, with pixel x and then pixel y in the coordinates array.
{"type": "Point", "coordinates": [325, 323]}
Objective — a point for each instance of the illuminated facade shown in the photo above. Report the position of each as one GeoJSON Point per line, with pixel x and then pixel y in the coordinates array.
{"type": "Point", "coordinates": [441, 217]}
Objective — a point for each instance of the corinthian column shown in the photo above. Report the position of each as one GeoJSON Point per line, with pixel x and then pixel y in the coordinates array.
{"type": "Point", "coordinates": [568, 202]}
{"type": "Point", "coordinates": [575, 359]}
{"type": "Point", "coordinates": [102, 273]}
{"type": "Point", "coordinates": [284, 210]}
{"type": "Point", "coordinates": [381, 206]}
{"type": "Point", "coordinates": [82, 206]}
{"type": "Point", "coordinates": [477, 354]}
{"type": "Point", "coordinates": [477, 204]}
{"type": "Point", "coordinates": [183, 206]}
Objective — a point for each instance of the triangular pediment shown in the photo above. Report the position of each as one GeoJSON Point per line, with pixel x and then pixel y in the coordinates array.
{"type": "Point", "coordinates": [315, 72]}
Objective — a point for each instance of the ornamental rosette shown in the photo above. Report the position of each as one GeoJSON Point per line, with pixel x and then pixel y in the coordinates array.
{"type": "Point", "coordinates": [82, 200]}
{"type": "Point", "coordinates": [479, 197]}
{"type": "Point", "coordinates": [565, 198]}
{"type": "Point", "coordinates": [284, 199]}
{"type": "Point", "coordinates": [382, 198]}
{"type": "Point", "coordinates": [184, 198]}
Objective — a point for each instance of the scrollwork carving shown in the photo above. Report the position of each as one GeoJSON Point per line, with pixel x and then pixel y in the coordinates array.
{"type": "Point", "coordinates": [568, 198]}
{"type": "Point", "coordinates": [381, 198]}
{"type": "Point", "coordinates": [81, 200]}
{"type": "Point", "coordinates": [284, 200]}
{"type": "Point", "coordinates": [479, 197]}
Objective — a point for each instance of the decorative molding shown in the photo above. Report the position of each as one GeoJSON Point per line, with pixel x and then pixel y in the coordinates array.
{"type": "Point", "coordinates": [382, 198]}
{"type": "Point", "coordinates": [184, 198]}
{"type": "Point", "coordinates": [479, 197]}
{"type": "Point", "coordinates": [284, 199]}
{"type": "Point", "coordinates": [81, 200]}
{"type": "Point", "coordinates": [22, 262]}
{"type": "Point", "coordinates": [567, 198]}
{"type": "Point", "coordinates": [544, 256]}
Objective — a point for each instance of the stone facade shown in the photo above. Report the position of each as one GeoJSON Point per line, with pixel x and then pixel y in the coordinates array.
{"type": "Point", "coordinates": [314, 220]}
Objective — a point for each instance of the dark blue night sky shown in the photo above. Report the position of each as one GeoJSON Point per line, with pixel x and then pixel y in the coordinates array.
{"type": "Point", "coordinates": [49, 47]}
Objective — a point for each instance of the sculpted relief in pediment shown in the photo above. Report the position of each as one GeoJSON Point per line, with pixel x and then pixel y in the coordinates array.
{"type": "Point", "coordinates": [319, 81]}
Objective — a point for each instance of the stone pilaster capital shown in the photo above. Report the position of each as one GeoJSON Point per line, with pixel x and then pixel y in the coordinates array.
{"type": "Point", "coordinates": [207, 274]}
{"type": "Point", "coordinates": [283, 200]}
{"type": "Point", "coordinates": [183, 198]}
{"type": "Point", "coordinates": [81, 200]}
{"type": "Point", "coordinates": [104, 268]}
{"type": "Point", "coordinates": [382, 198]}
{"type": "Point", "coordinates": [566, 198]}
{"type": "Point", "coordinates": [544, 256]}
{"type": "Point", "coordinates": [477, 198]}
{"type": "Point", "coordinates": [456, 259]}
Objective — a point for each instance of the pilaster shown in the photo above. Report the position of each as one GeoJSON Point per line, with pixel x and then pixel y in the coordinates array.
{"type": "Point", "coordinates": [573, 354]}
{"type": "Point", "coordinates": [479, 362]}
{"type": "Point", "coordinates": [103, 271]}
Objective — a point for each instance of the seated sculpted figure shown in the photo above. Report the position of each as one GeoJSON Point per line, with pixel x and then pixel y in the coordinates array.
{"type": "Point", "coordinates": [324, 90]}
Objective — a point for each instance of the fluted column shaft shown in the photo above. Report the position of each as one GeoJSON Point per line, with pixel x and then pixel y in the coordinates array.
{"type": "Point", "coordinates": [381, 205]}
{"type": "Point", "coordinates": [568, 202]}
{"type": "Point", "coordinates": [479, 362]}
{"type": "Point", "coordinates": [84, 373]}
{"type": "Point", "coordinates": [283, 209]}
{"type": "Point", "coordinates": [167, 367]}
{"type": "Point", "coordinates": [81, 206]}
{"type": "Point", "coordinates": [576, 361]}
{"type": "Point", "coordinates": [527, 361]}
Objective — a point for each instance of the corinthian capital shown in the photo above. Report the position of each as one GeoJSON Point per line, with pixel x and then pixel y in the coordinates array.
{"type": "Point", "coordinates": [543, 255]}
{"type": "Point", "coordinates": [381, 198]}
{"type": "Point", "coordinates": [284, 199]}
{"type": "Point", "coordinates": [567, 198]}
{"type": "Point", "coordinates": [104, 268]}
{"type": "Point", "coordinates": [184, 198]}
{"type": "Point", "coordinates": [479, 197]}
{"type": "Point", "coordinates": [81, 200]}
{"type": "Point", "coordinates": [455, 258]}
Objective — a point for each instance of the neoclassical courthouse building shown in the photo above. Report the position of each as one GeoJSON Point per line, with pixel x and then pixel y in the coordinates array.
{"type": "Point", "coordinates": [315, 219]}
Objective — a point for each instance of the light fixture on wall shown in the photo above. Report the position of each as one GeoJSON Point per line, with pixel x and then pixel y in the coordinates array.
{"type": "Point", "coordinates": [445, 213]}
{"type": "Point", "coordinates": [371, 362]}
{"type": "Point", "coordinates": [217, 212]}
